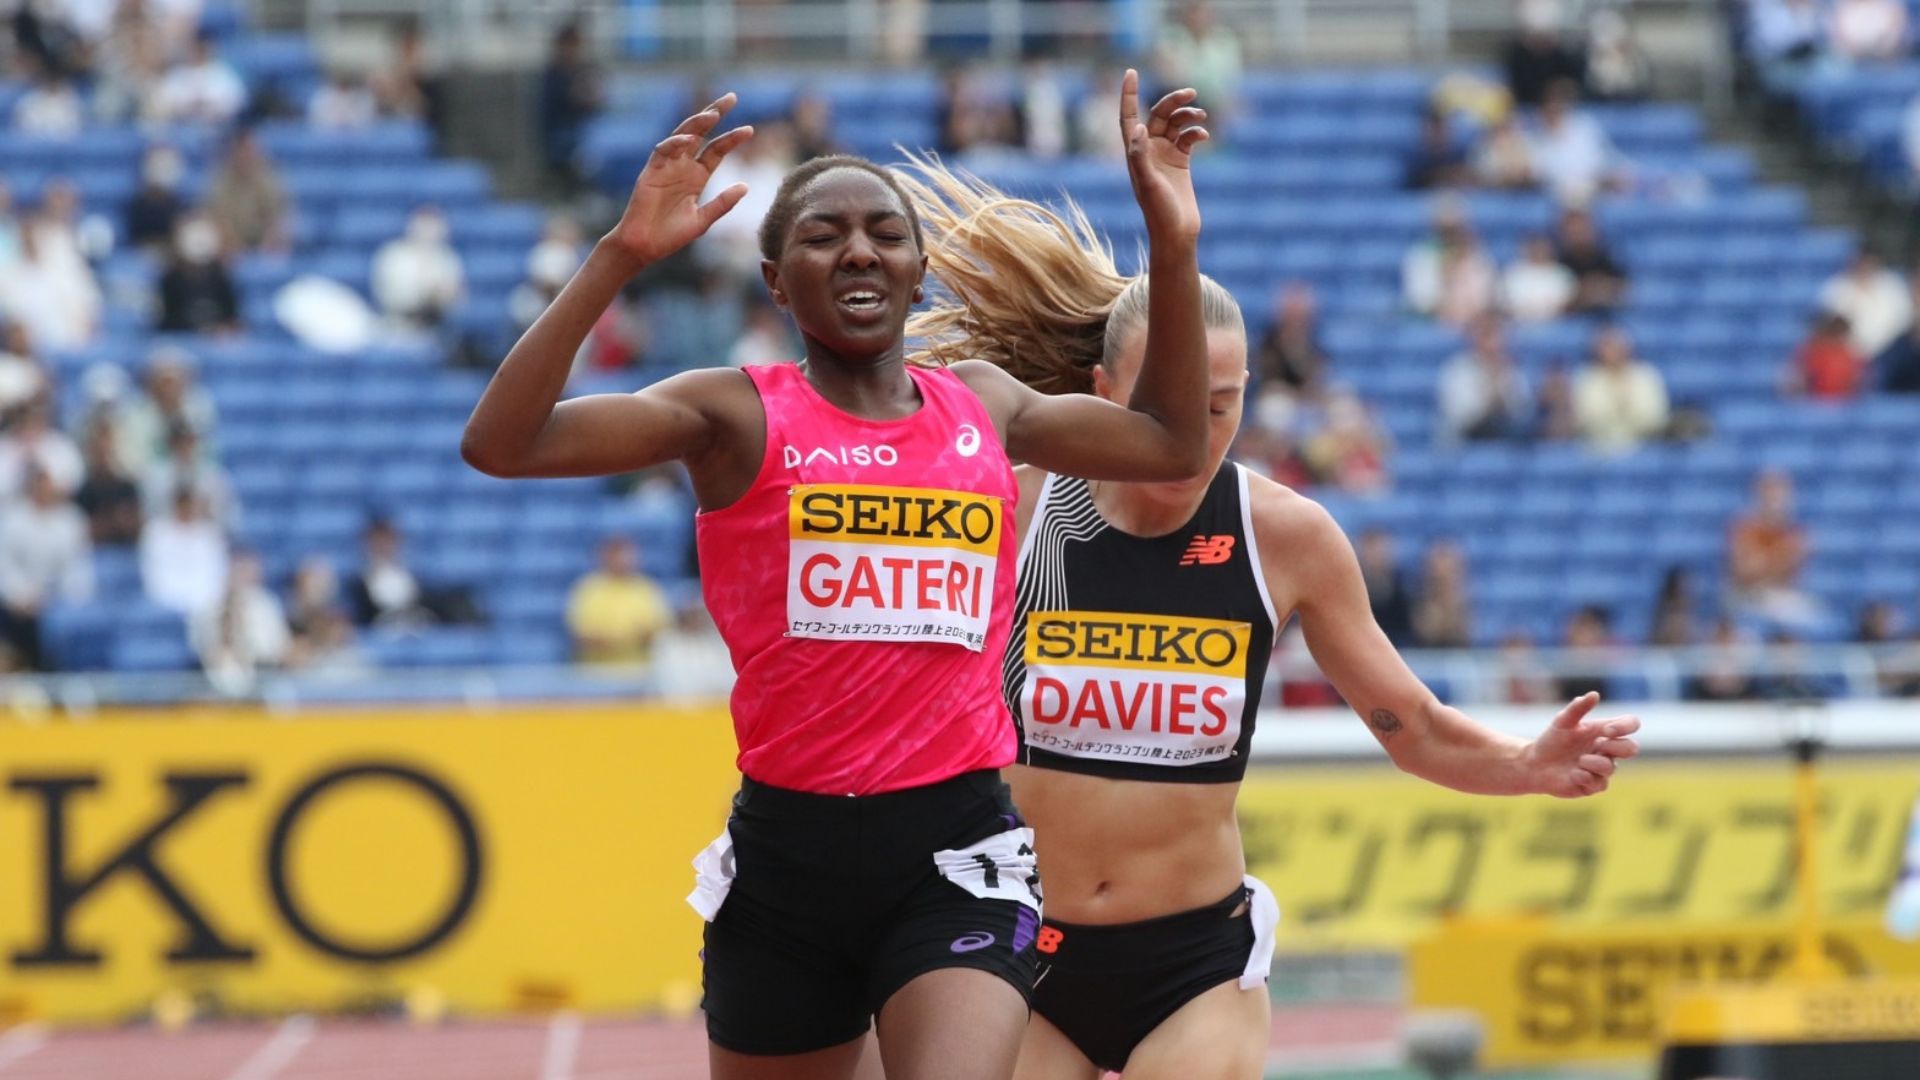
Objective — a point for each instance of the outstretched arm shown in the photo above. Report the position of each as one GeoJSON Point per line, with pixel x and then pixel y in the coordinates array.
{"type": "Point", "coordinates": [520, 427]}
{"type": "Point", "coordinates": [1575, 756]}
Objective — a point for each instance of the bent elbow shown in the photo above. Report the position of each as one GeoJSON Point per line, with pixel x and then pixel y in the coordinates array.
{"type": "Point", "coordinates": [476, 453]}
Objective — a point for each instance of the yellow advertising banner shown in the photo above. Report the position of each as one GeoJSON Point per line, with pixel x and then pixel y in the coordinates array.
{"type": "Point", "coordinates": [524, 860]}
{"type": "Point", "coordinates": [1370, 858]}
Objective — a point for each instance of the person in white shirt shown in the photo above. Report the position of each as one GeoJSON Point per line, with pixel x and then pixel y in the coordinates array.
{"type": "Point", "coordinates": [1874, 300]}
{"type": "Point", "coordinates": [1572, 154]}
{"type": "Point", "coordinates": [183, 558]}
{"type": "Point", "coordinates": [343, 104]}
{"type": "Point", "coordinates": [1447, 275]}
{"type": "Point", "coordinates": [1619, 401]}
{"type": "Point", "coordinates": [185, 466]}
{"type": "Point", "coordinates": [33, 443]}
{"type": "Point", "coordinates": [242, 633]}
{"type": "Point", "coordinates": [173, 398]}
{"type": "Point", "coordinates": [204, 90]}
{"type": "Point", "coordinates": [51, 109]}
{"type": "Point", "coordinates": [1537, 288]}
{"type": "Point", "coordinates": [45, 555]}
{"type": "Point", "coordinates": [1868, 29]}
{"type": "Point", "coordinates": [418, 277]}
{"type": "Point", "coordinates": [1482, 392]}
{"type": "Point", "coordinates": [52, 296]}
{"type": "Point", "coordinates": [733, 243]}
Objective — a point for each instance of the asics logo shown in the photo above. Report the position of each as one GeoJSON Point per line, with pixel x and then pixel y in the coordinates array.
{"type": "Point", "coordinates": [969, 441]}
{"type": "Point", "coordinates": [794, 457]}
{"type": "Point", "coordinates": [1208, 551]}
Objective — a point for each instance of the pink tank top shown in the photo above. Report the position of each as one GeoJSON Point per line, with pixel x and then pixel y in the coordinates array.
{"type": "Point", "coordinates": [864, 585]}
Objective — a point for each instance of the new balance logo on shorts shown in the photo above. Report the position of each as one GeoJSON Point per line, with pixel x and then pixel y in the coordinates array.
{"type": "Point", "coordinates": [1208, 551]}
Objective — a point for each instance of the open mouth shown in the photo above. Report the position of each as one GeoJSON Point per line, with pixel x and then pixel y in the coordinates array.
{"type": "Point", "coordinates": [861, 300]}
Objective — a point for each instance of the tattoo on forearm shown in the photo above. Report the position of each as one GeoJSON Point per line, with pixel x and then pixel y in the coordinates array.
{"type": "Point", "coordinates": [1385, 723]}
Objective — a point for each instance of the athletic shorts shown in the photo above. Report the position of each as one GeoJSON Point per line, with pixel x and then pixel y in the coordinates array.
{"type": "Point", "coordinates": [1107, 987]}
{"type": "Point", "coordinates": [820, 907]}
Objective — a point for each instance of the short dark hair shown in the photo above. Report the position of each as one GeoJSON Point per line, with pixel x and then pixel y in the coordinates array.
{"type": "Point", "coordinates": [773, 228]}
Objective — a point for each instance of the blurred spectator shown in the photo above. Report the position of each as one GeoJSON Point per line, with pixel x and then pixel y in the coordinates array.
{"type": "Point", "coordinates": [1439, 160]}
{"type": "Point", "coordinates": [1046, 127]}
{"type": "Point", "coordinates": [1616, 69]}
{"type": "Point", "coordinates": [386, 592]}
{"type": "Point", "coordinates": [977, 115]}
{"type": "Point", "coordinates": [1619, 399]}
{"type": "Point", "coordinates": [1349, 452]}
{"type": "Point", "coordinates": [1726, 667]}
{"type": "Point", "coordinates": [185, 467]}
{"type": "Point", "coordinates": [689, 658]}
{"type": "Point", "coordinates": [1826, 365]}
{"type": "Point", "coordinates": [621, 336]}
{"type": "Point", "coordinates": [1094, 134]}
{"type": "Point", "coordinates": [156, 207]}
{"type": "Point", "coordinates": [314, 592]}
{"type": "Point", "coordinates": [51, 108]}
{"type": "Point", "coordinates": [69, 232]}
{"type": "Point", "coordinates": [1536, 287]}
{"type": "Point", "coordinates": [1876, 303]}
{"type": "Point", "coordinates": [1447, 274]}
{"type": "Point", "coordinates": [403, 89]}
{"type": "Point", "coordinates": [1442, 615]}
{"type": "Point", "coordinates": [1786, 677]}
{"type": "Point", "coordinates": [44, 557]}
{"type": "Point", "coordinates": [1900, 362]}
{"type": "Point", "coordinates": [1387, 589]}
{"type": "Point", "coordinates": [1482, 393]}
{"type": "Point", "coordinates": [9, 225]}
{"type": "Point", "coordinates": [1600, 282]}
{"type": "Point", "coordinates": [1290, 355]}
{"type": "Point", "coordinates": [22, 378]}
{"type": "Point", "coordinates": [132, 61]}
{"type": "Point", "coordinates": [204, 90]}
{"type": "Point", "coordinates": [344, 104]}
{"type": "Point", "coordinates": [1269, 442]}
{"type": "Point", "coordinates": [1868, 29]}
{"type": "Point", "coordinates": [614, 612]}
{"type": "Point", "coordinates": [172, 399]}
{"type": "Point", "coordinates": [550, 265]}
{"type": "Point", "coordinates": [196, 291]}
{"type": "Point", "coordinates": [1589, 634]}
{"type": "Point", "coordinates": [1879, 624]}
{"type": "Point", "coordinates": [1197, 51]}
{"type": "Point", "coordinates": [1505, 157]}
{"type": "Point", "coordinates": [766, 339]}
{"type": "Point", "coordinates": [1910, 139]}
{"type": "Point", "coordinates": [570, 95]}
{"type": "Point", "coordinates": [1537, 58]}
{"type": "Point", "coordinates": [247, 200]}
{"type": "Point", "coordinates": [244, 631]}
{"type": "Point", "coordinates": [733, 243]}
{"type": "Point", "coordinates": [418, 278]}
{"type": "Point", "coordinates": [1523, 679]}
{"type": "Point", "coordinates": [108, 497]}
{"type": "Point", "coordinates": [33, 443]}
{"type": "Point", "coordinates": [1556, 419]}
{"type": "Point", "coordinates": [812, 122]}
{"type": "Point", "coordinates": [1572, 155]}
{"type": "Point", "coordinates": [1766, 547]}
{"type": "Point", "coordinates": [322, 634]}
{"type": "Point", "coordinates": [183, 557]}
{"type": "Point", "coordinates": [50, 293]}
{"type": "Point", "coordinates": [1673, 610]}
{"type": "Point", "coordinates": [1784, 31]}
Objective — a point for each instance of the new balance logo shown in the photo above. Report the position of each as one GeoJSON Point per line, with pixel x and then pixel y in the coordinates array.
{"type": "Point", "coordinates": [1208, 551]}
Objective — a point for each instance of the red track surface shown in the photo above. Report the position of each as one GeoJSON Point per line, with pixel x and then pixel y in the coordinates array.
{"type": "Point", "coordinates": [523, 1050]}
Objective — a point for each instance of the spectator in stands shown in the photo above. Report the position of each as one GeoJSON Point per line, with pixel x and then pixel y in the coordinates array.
{"type": "Point", "coordinates": [550, 265]}
{"type": "Point", "coordinates": [66, 229]}
{"type": "Point", "coordinates": [1442, 615]}
{"type": "Point", "coordinates": [1523, 679]}
{"type": "Point", "coordinates": [247, 200]}
{"type": "Point", "coordinates": [196, 290]}
{"type": "Point", "coordinates": [1619, 400]}
{"type": "Point", "coordinates": [108, 497]}
{"type": "Point", "coordinates": [9, 226]}
{"type": "Point", "coordinates": [1536, 57]}
{"type": "Point", "coordinates": [172, 400]}
{"type": "Point", "coordinates": [1868, 30]}
{"type": "Point", "coordinates": [51, 108]}
{"type": "Point", "coordinates": [1826, 365]}
{"type": "Point", "coordinates": [49, 292]}
{"type": "Point", "coordinates": [156, 207]}
{"type": "Point", "coordinates": [243, 632]}
{"type": "Point", "coordinates": [386, 593]}
{"type": "Point", "coordinates": [32, 443]}
{"type": "Point", "coordinates": [418, 278]}
{"type": "Point", "coordinates": [1572, 155]}
{"type": "Point", "coordinates": [131, 62]}
{"type": "Point", "coordinates": [1448, 275]}
{"type": "Point", "coordinates": [1349, 452]}
{"type": "Point", "coordinates": [1270, 444]}
{"type": "Point", "coordinates": [344, 104]}
{"type": "Point", "coordinates": [767, 338]}
{"type": "Point", "coordinates": [1876, 303]}
{"type": "Point", "coordinates": [1093, 120]}
{"type": "Point", "coordinates": [1589, 635]}
{"type": "Point", "coordinates": [1482, 393]}
{"type": "Point", "coordinates": [22, 377]}
{"type": "Point", "coordinates": [183, 557]}
{"type": "Point", "coordinates": [1673, 609]}
{"type": "Point", "coordinates": [622, 335]}
{"type": "Point", "coordinates": [1439, 160]}
{"type": "Point", "coordinates": [1555, 417]}
{"type": "Point", "coordinates": [1505, 158]}
{"type": "Point", "coordinates": [1536, 287]}
{"type": "Point", "coordinates": [1197, 51]}
{"type": "Point", "coordinates": [690, 661]}
{"type": "Point", "coordinates": [1879, 624]}
{"type": "Point", "coordinates": [185, 467]}
{"type": "Point", "coordinates": [44, 557]}
{"type": "Point", "coordinates": [614, 612]}
{"type": "Point", "coordinates": [1290, 357]}
{"type": "Point", "coordinates": [1766, 548]}
{"type": "Point", "coordinates": [1785, 31]}
{"type": "Point", "coordinates": [1616, 69]}
{"type": "Point", "coordinates": [402, 88]}
{"type": "Point", "coordinates": [570, 95]}
{"type": "Point", "coordinates": [732, 245]}
{"type": "Point", "coordinates": [322, 634]}
{"type": "Point", "coordinates": [1726, 667]}
{"type": "Point", "coordinates": [1899, 363]}
{"type": "Point", "coordinates": [1910, 139]}
{"type": "Point", "coordinates": [1387, 589]}
{"type": "Point", "coordinates": [1600, 282]}
{"type": "Point", "coordinates": [977, 116]}
{"type": "Point", "coordinates": [204, 90]}
{"type": "Point", "coordinates": [1046, 122]}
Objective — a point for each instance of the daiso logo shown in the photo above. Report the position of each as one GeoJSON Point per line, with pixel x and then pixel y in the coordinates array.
{"type": "Point", "coordinates": [840, 455]}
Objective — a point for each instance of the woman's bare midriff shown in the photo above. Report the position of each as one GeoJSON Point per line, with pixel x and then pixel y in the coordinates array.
{"type": "Point", "coordinates": [1118, 851]}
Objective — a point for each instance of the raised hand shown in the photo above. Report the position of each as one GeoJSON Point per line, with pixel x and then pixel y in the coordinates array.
{"type": "Point", "coordinates": [1576, 756]}
{"type": "Point", "coordinates": [664, 213]}
{"type": "Point", "coordinates": [1159, 158]}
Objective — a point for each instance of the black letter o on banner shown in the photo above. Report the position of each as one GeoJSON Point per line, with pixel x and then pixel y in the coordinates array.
{"type": "Point", "coordinates": [464, 897]}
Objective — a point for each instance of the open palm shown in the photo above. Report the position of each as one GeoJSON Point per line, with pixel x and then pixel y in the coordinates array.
{"type": "Point", "coordinates": [1160, 157]}
{"type": "Point", "coordinates": [664, 213]}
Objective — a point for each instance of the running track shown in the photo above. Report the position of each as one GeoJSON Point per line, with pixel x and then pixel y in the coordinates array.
{"type": "Point", "coordinates": [564, 1048]}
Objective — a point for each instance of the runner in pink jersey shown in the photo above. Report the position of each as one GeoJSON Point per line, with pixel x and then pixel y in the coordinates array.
{"type": "Point", "coordinates": [855, 520]}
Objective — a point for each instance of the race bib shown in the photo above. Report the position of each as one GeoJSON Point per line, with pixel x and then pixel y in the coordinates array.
{"type": "Point", "coordinates": [1145, 688]}
{"type": "Point", "coordinates": [1001, 867]}
{"type": "Point", "coordinates": [870, 563]}
{"type": "Point", "coordinates": [712, 876]}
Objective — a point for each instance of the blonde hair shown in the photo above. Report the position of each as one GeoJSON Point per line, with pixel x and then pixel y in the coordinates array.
{"type": "Point", "coordinates": [1033, 290]}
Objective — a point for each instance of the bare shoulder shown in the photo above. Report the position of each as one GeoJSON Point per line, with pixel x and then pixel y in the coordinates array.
{"type": "Point", "coordinates": [1000, 392]}
{"type": "Point", "coordinates": [725, 396]}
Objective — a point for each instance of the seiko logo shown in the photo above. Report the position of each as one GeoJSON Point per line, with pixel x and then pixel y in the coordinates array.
{"type": "Point", "coordinates": [840, 455]}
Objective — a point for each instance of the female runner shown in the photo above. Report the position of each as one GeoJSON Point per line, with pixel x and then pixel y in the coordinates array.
{"type": "Point", "coordinates": [1145, 616]}
{"type": "Point", "coordinates": [860, 566]}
